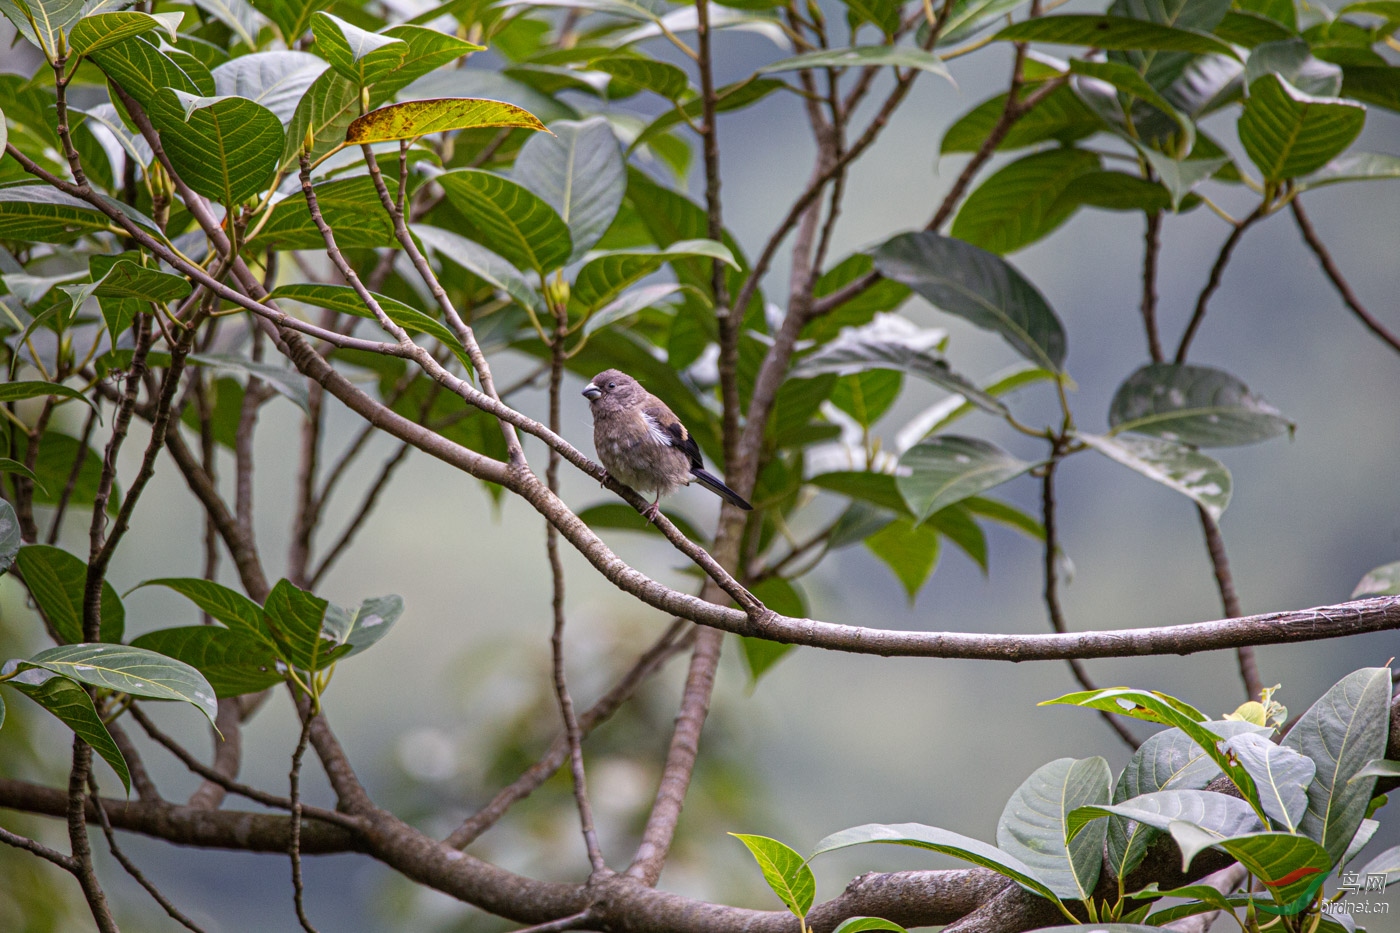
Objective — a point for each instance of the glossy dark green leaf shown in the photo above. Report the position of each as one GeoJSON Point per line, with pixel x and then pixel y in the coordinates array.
{"type": "Point", "coordinates": [862, 924]}
{"type": "Point", "coordinates": [882, 14]}
{"type": "Point", "coordinates": [879, 489]}
{"type": "Point", "coordinates": [1194, 405]}
{"type": "Point", "coordinates": [1034, 826]}
{"type": "Point", "coordinates": [1271, 857]}
{"type": "Point", "coordinates": [134, 671]}
{"type": "Point", "coordinates": [939, 840]}
{"type": "Point", "coordinates": [357, 54]}
{"type": "Point", "coordinates": [99, 30]}
{"type": "Point", "coordinates": [606, 274]}
{"type": "Point", "coordinates": [1341, 732]}
{"type": "Point", "coordinates": [661, 77]}
{"type": "Point", "coordinates": [910, 550]}
{"type": "Point", "coordinates": [969, 17]}
{"type": "Point", "coordinates": [72, 705]}
{"type": "Point", "coordinates": [1113, 32]}
{"type": "Point", "coordinates": [979, 286]}
{"type": "Point", "coordinates": [16, 391]}
{"type": "Point", "coordinates": [241, 142]}
{"type": "Point", "coordinates": [57, 581]}
{"type": "Point", "coordinates": [364, 625]}
{"type": "Point", "coordinates": [1287, 133]}
{"type": "Point", "coordinates": [44, 214]}
{"type": "Point", "coordinates": [297, 621]}
{"type": "Point", "coordinates": [1181, 176]}
{"type": "Point", "coordinates": [481, 262]}
{"type": "Point", "coordinates": [1176, 466]}
{"type": "Point", "coordinates": [351, 207]}
{"type": "Point", "coordinates": [510, 219]}
{"type": "Point", "coordinates": [1372, 84]}
{"type": "Point", "coordinates": [867, 395]}
{"type": "Point", "coordinates": [1356, 166]}
{"type": "Point", "coordinates": [228, 606]}
{"type": "Point", "coordinates": [291, 17]}
{"type": "Point", "coordinates": [1021, 202]}
{"type": "Point", "coordinates": [233, 661]}
{"type": "Point", "coordinates": [947, 469]}
{"type": "Point", "coordinates": [1219, 814]}
{"type": "Point", "coordinates": [1060, 116]}
{"type": "Point", "coordinates": [1292, 60]}
{"type": "Point", "coordinates": [1116, 191]}
{"type": "Point", "coordinates": [785, 871]}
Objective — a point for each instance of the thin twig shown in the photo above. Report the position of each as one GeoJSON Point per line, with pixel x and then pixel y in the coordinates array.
{"type": "Point", "coordinates": [1152, 247]}
{"type": "Point", "coordinates": [294, 845]}
{"type": "Point", "coordinates": [1334, 273]}
{"type": "Point", "coordinates": [56, 525]}
{"type": "Point", "coordinates": [1052, 586]}
{"type": "Point", "coordinates": [366, 507]}
{"type": "Point", "coordinates": [130, 866]}
{"type": "Point", "coordinates": [651, 661]}
{"type": "Point", "coordinates": [1217, 272]}
{"type": "Point", "coordinates": [36, 848]}
{"type": "Point", "coordinates": [1224, 581]}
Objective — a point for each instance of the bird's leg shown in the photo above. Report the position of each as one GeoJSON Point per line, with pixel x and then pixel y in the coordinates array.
{"type": "Point", "coordinates": [603, 483]}
{"type": "Point", "coordinates": [653, 511]}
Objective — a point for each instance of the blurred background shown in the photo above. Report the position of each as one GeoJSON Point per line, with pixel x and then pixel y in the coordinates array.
{"type": "Point", "coordinates": [457, 699]}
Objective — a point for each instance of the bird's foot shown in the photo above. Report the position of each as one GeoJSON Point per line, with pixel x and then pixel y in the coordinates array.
{"type": "Point", "coordinates": [652, 512]}
{"type": "Point", "coordinates": [603, 483]}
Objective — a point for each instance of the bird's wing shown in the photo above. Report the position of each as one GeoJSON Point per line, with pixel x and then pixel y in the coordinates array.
{"type": "Point", "coordinates": [665, 429]}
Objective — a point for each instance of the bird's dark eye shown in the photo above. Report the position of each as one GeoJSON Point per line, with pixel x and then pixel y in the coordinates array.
{"type": "Point", "coordinates": [612, 385]}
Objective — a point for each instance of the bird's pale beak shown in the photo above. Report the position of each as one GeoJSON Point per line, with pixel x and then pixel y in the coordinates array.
{"type": "Point", "coordinates": [592, 392]}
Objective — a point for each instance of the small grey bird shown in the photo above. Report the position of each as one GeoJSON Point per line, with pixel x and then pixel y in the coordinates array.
{"type": "Point", "coordinates": [643, 444]}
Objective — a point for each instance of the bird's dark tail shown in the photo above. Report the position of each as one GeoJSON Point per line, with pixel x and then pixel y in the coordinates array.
{"type": "Point", "coordinates": [716, 485]}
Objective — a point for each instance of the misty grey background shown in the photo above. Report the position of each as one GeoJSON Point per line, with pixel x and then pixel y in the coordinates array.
{"type": "Point", "coordinates": [835, 740]}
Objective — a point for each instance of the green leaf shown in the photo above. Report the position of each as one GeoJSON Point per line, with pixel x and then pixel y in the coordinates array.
{"type": "Point", "coordinates": [730, 97]}
{"type": "Point", "coordinates": [969, 17]}
{"type": "Point", "coordinates": [1372, 84]}
{"type": "Point", "coordinates": [297, 621]}
{"type": "Point", "coordinates": [134, 671]}
{"type": "Point", "coordinates": [1387, 863]}
{"type": "Point", "coordinates": [783, 597]}
{"type": "Point", "coordinates": [238, 15]}
{"type": "Point", "coordinates": [1356, 166]}
{"type": "Point", "coordinates": [861, 924]}
{"type": "Point", "coordinates": [944, 412]}
{"type": "Point", "coordinates": [1341, 732]}
{"type": "Point", "coordinates": [233, 661]}
{"type": "Point", "coordinates": [863, 56]}
{"type": "Point", "coordinates": [621, 515]}
{"type": "Point", "coordinates": [1292, 60]}
{"type": "Point", "coordinates": [46, 215]}
{"type": "Point", "coordinates": [361, 56]}
{"type": "Point", "coordinates": [908, 549]}
{"type": "Point", "coordinates": [606, 274]}
{"type": "Point", "coordinates": [876, 488]}
{"type": "Point", "coordinates": [630, 302]}
{"type": "Point", "coordinates": [1176, 466]}
{"type": "Point", "coordinates": [579, 172]}
{"type": "Point", "coordinates": [10, 539]}
{"type": "Point", "coordinates": [1380, 581]}
{"type": "Point", "coordinates": [978, 286]}
{"type": "Point", "coordinates": [287, 383]}
{"type": "Point", "coordinates": [1116, 191]}
{"type": "Point", "coordinates": [99, 30]}
{"type": "Point", "coordinates": [57, 581]}
{"type": "Point", "coordinates": [1129, 81]}
{"type": "Point", "coordinates": [345, 299]}
{"type": "Point", "coordinates": [368, 623]}
{"type": "Point", "coordinates": [940, 840]}
{"type": "Point", "coordinates": [1270, 857]}
{"type": "Point", "coordinates": [1168, 760]}
{"type": "Point", "coordinates": [661, 77]}
{"type": "Point", "coordinates": [867, 395]}
{"type": "Point", "coordinates": [240, 142]}
{"type": "Point", "coordinates": [509, 218]}
{"type": "Point", "coordinates": [1060, 116]}
{"type": "Point", "coordinates": [415, 118]}
{"type": "Point", "coordinates": [276, 80]}
{"type": "Point", "coordinates": [1281, 774]}
{"type": "Point", "coordinates": [1218, 814]}
{"type": "Point", "coordinates": [1194, 405]}
{"type": "Point", "coordinates": [785, 871]}
{"type": "Point", "coordinates": [228, 606]}
{"type": "Point", "coordinates": [120, 277]}
{"type": "Point", "coordinates": [1006, 514]}
{"type": "Point", "coordinates": [44, 22]}
{"type": "Point", "coordinates": [291, 17]}
{"type": "Point", "coordinates": [71, 704]}
{"type": "Point", "coordinates": [948, 469]}
{"type": "Point", "coordinates": [1021, 202]}
{"type": "Point", "coordinates": [1152, 706]}
{"type": "Point", "coordinates": [481, 262]}
{"type": "Point", "coordinates": [16, 391]}
{"type": "Point", "coordinates": [1287, 133]}
{"type": "Point", "coordinates": [1113, 32]}
{"type": "Point", "coordinates": [1181, 176]}
{"type": "Point", "coordinates": [1034, 825]}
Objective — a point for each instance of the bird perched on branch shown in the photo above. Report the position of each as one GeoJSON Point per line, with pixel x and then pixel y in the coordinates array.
{"type": "Point", "coordinates": [643, 444]}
